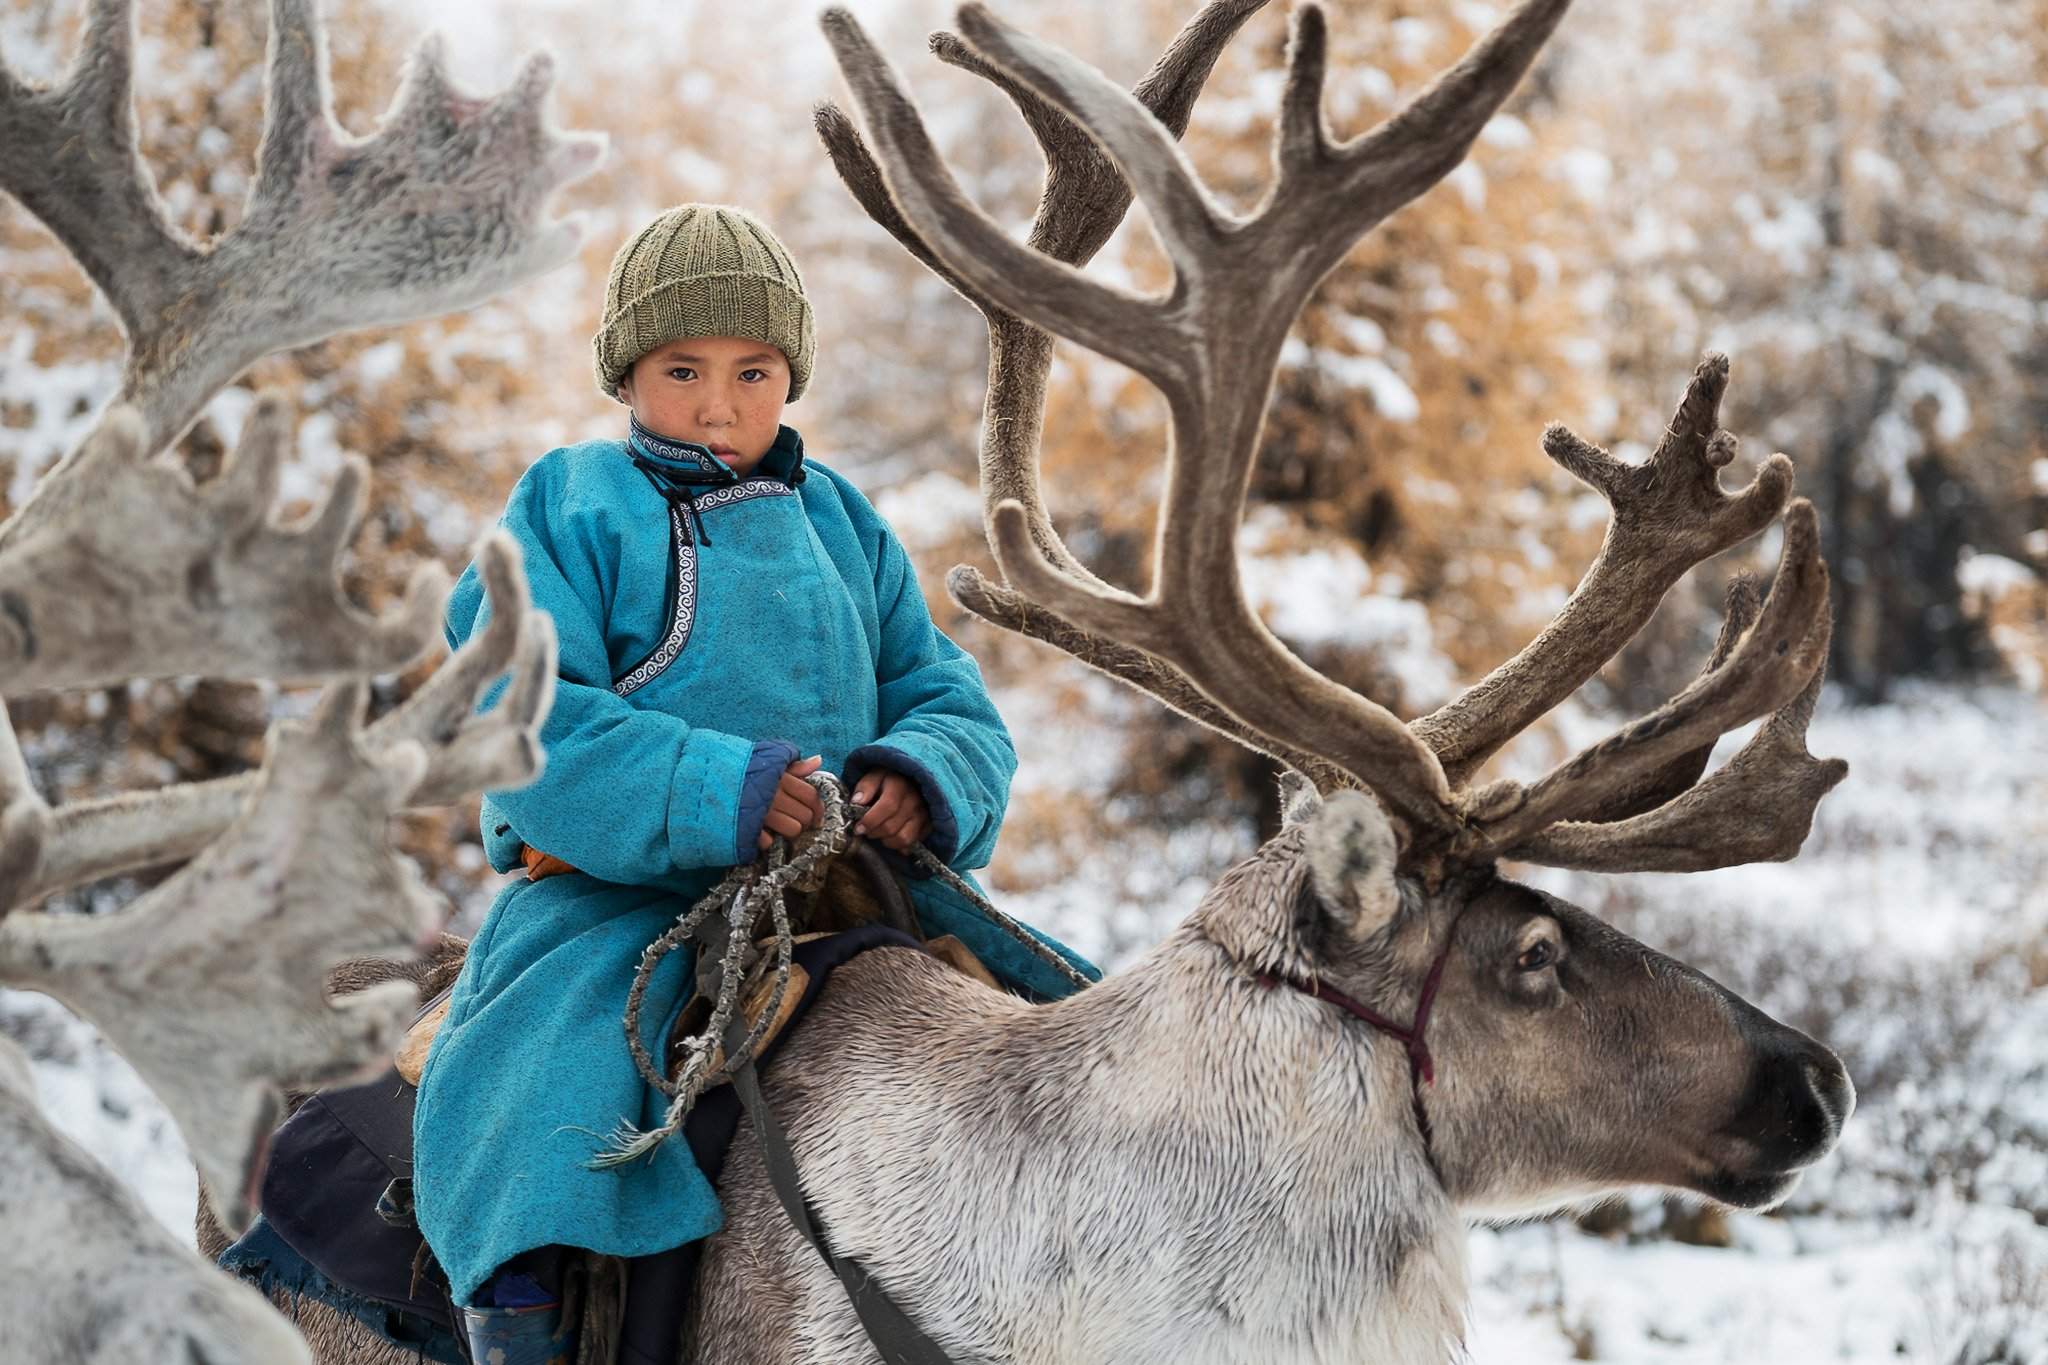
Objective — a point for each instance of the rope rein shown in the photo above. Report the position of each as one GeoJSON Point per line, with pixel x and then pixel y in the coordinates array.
{"type": "Point", "coordinates": [722, 926]}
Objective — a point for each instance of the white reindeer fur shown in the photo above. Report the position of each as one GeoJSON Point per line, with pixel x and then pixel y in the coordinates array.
{"type": "Point", "coordinates": [1177, 1165]}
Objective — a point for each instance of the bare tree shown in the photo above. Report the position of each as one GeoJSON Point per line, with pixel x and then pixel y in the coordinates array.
{"type": "Point", "coordinates": [215, 984]}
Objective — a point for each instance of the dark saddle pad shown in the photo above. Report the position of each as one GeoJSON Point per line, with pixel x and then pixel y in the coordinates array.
{"type": "Point", "coordinates": [336, 1221]}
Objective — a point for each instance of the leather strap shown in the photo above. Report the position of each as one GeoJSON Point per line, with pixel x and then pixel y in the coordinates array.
{"type": "Point", "coordinates": [1411, 1036]}
{"type": "Point", "coordinates": [899, 1340]}
{"type": "Point", "coordinates": [894, 901]}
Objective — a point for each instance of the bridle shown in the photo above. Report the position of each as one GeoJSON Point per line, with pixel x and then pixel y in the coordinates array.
{"type": "Point", "coordinates": [1412, 1035]}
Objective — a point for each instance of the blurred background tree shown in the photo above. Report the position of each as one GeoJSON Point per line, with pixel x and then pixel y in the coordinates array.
{"type": "Point", "coordinates": [1846, 198]}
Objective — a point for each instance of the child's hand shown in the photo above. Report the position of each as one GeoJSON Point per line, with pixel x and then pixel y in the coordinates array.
{"type": "Point", "coordinates": [896, 816]}
{"type": "Point", "coordinates": [797, 805]}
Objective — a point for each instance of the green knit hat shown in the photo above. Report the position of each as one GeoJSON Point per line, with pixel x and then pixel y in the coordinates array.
{"type": "Point", "coordinates": [702, 270]}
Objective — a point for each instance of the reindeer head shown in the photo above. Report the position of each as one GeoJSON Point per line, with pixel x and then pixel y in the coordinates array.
{"type": "Point", "coordinates": [1557, 1057]}
{"type": "Point", "coordinates": [1563, 1058]}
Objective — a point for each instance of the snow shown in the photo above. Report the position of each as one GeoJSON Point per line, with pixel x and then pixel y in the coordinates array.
{"type": "Point", "coordinates": [1470, 183]}
{"type": "Point", "coordinates": [1993, 575]}
{"type": "Point", "coordinates": [1903, 1295]}
{"type": "Point", "coordinates": [96, 1099]}
{"type": "Point", "coordinates": [60, 400]}
{"type": "Point", "coordinates": [1369, 338]}
{"type": "Point", "coordinates": [1326, 595]}
{"type": "Point", "coordinates": [930, 510]}
{"type": "Point", "coordinates": [1586, 170]}
{"type": "Point", "coordinates": [1390, 393]}
{"type": "Point", "coordinates": [1413, 39]}
{"type": "Point", "coordinates": [1879, 170]}
{"type": "Point", "coordinates": [1789, 231]}
{"type": "Point", "coordinates": [1505, 130]}
{"type": "Point", "coordinates": [1443, 337]}
{"type": "Point", "coordinates": [1952, 401]}
{"type": "Point", "coordinates": [381, 363]}
{"type": "Point", "coordinates": [450, 524]}
{"type": "Point", "coordinates": [309, 478]}
{"type": "Point", "coordinates": [227, 410]}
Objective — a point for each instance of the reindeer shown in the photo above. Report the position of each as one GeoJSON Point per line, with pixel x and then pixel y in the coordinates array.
{"type": "Point", "coordinates": [1259, 1142]}
{"type": "Point", "coordinates": [215, 983]}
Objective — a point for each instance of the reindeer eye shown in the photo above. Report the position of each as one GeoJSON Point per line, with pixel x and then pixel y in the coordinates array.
{"type": "Point", "coordinates": [1536, 957]}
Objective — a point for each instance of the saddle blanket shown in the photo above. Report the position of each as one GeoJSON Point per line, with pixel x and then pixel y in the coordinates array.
{"type": "Point", "coordinates": [336, 1224]}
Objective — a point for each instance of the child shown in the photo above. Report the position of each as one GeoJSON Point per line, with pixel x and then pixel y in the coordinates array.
{"type": "Point", "coordinates": [731, 616]}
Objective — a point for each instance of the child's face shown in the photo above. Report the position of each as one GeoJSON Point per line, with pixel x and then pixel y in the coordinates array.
{"type": "Point", "coordinates": [723, 392]}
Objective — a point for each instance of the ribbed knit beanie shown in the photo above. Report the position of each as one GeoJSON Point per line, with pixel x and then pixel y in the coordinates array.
{"type": "Point", "coordinates": [702, 270]}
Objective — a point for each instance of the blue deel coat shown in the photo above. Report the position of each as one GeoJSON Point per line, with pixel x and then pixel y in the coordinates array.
{"type": "Point", "coordinates": [707, 636]}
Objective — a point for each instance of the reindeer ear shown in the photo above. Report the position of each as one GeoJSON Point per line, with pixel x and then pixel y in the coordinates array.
{"type": "Point", "coordinates": [1299, 799]}
{"type": "Point", "coordinates": [1351, 863]}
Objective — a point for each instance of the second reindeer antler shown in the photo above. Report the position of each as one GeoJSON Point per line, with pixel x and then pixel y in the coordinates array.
{"type": "Point", "coordinates": [441, 208]}
{"type": "Point", "coordinates": [125, 568]}
{"type": "Point", "coordinates": [45, 850]}
{"type": "Point", "coordinates": [1211, 345]}
{"type": "Point", "coordinates": [215, 983]}
{"type": "Point", "coordinates": [117, 565]}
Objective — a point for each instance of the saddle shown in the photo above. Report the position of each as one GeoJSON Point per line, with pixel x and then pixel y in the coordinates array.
{"type": "Point", "coordinates": [337, 1221]}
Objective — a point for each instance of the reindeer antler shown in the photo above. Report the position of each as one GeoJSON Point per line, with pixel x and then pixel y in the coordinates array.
{"type": "Point", "coordinates": [102, 1258]}
{"type": "Point", "coordinates": [440, 209]}
{"type": "Point", "coordinates": [1083, 201]}
{"type": "Point", "coordinates": [1669, 514]}
{"type": "Point", "coordinates": [43, 851]}
{"type": "Point", "coordinates": [214, 983]}
{"type": "Point", "coordinates": [303, 878]}
{"type": "Point", "coordinates": [1757, 808]}
{"type": "Point", "coordinates": [1770, 665]}
{"type": "Point", "coordinates": [126, 568]}
{"type": "Point", "coordinates": [1211, 345]}
{"type": "Point", "coordinates": [1616, 807]}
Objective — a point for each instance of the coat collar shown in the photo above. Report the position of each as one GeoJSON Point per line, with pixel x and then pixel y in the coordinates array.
{"type": "Point", "coordinates": [784, 460]}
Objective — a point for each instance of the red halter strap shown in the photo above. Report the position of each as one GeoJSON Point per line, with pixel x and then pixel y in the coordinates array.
{"type": "Point", "coordinates": [1421, 1066]}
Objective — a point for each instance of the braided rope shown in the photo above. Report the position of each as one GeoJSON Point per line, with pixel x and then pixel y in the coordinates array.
{"type": "Point", "coordinates": [747, 894]}
{"type": "Point", "coordinates": [929, 861]}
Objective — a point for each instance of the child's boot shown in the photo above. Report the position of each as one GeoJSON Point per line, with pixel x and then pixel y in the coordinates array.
{"type": "Point", "coordinates": [519, 1336]}
{"type": "Point", "coordinates": [520, 1324]}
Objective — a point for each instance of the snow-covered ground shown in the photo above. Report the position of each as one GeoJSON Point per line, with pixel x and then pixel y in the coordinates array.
{"type": "Point", "coordinates": [1911, 935]}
